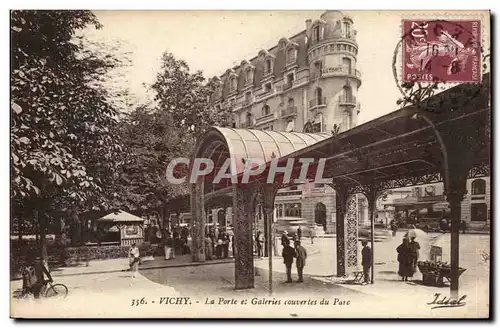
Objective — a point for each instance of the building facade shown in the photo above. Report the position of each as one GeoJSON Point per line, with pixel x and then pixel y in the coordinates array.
{"type": "Point", "coordinates": [429, 202]}
{"type": "Point", "coordinates": [306, 83]}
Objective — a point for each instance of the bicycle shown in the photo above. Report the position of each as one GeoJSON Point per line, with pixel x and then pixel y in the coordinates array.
{"type": "Point", "coordinates": [54, 290]}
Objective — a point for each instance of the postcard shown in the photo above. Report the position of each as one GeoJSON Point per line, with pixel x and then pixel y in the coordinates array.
{"type": "Point", "coordinates": [250, 164]}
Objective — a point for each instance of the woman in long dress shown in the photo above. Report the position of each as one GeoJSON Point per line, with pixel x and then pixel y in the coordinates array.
{"type": "Point", "coordinates": [405, 267]}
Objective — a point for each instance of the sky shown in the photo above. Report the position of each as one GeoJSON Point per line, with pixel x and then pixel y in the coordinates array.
{"type": "Point", "coordinates": [213, 41]}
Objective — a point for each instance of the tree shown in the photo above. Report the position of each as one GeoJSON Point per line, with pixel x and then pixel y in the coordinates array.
{"type": "Point", "coordinates": [186, 96]}
{"type": "Point", "coordinates": [63, 133]}
{"type": "Point", "coordinates": [152, 141]}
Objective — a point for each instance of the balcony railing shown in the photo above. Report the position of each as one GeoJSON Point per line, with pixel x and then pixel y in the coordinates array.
{"type": "Point", "coordinates": [265, 118]}
{"type": "Point", "coordinates": [289, 111]}
{"type": "Point", "coordinates": [246, 102]}
{"type": "Point", "coordinates": [263, 93]}
{"type": "Point", "coordinates": [317, 102]}
{"type": "Point", "coordinates": [287, 86]}
{"type": "Point", "coordinates": [347, 100]}
{"type": "Point", "coordinates": [316, 74]}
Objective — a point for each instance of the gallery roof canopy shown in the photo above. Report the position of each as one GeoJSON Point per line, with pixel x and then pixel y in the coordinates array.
{"type": "Point", "coordinates": [240, 145]}
{"type": "Point", "coordinates": [400, 148]}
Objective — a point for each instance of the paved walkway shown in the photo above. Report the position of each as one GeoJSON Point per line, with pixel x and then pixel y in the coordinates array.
{"type": "Point", "coordinates": [159, 262]}
{"type": "Point", "coordinates": [119, 265]}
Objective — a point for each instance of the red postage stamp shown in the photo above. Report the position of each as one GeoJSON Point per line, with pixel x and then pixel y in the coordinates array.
{"type": "Point", "coordinates": [441, 51]}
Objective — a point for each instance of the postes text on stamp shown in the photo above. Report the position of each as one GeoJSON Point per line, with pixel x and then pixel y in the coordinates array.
{"type": "Point", "coordinates": [441, 51]}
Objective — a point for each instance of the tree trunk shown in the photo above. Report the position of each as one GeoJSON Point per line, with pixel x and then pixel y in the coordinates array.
{"type": "Point", "coordinates": [42, 219]}
{"type": "Point", "coordinates": [20, 229]}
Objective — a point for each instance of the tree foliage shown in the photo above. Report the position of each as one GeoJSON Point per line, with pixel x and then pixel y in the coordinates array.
{"type": "Point", "coordinates": [64, 144]}
{"type": "Point", "coordinates": [186, 96]}
{"type": "Point", "coordinates": [152, 140]}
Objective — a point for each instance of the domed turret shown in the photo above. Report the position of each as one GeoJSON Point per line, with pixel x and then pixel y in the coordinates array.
{"type": "Point", "coordinates": [332, 56]}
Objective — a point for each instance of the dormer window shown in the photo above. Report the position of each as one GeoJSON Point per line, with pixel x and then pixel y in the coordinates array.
{"type": "Point", "coordinates": [248, 76]}
{"type": "Point", "coordinates": [233, 83]}
{"type": "Point", "coordinates": [291, 55]}
{"type": "Point", "coordinates": [269, 66]}
{"type": "Point", "coordinates": [316, 33]}
{"type": "Point", "coordinates": [347, 29]}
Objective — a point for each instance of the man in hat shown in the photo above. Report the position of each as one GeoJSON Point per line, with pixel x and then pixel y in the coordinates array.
{"type": "Point", "coordinates": [284, 238]}
{"type": "Point", "coordinates": [301, 259]}
{"type": "Point", "coordinates": [288, 254]}
{"type": "Point", "coordinates": [366, 261]}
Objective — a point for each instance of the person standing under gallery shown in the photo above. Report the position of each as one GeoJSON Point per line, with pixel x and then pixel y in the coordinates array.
{"type": "Point", "coordinates": [288, 254]}
{"type": "Point", "coordinates": [405, 267]}
{"type": "Point", "coordinates": [208, 248]}
{"type": "Point", "coordinates": [260, 244]}
{"type": "Point", "coordinates": [301, 259]}
{"type": "Point", "coordinates": [414, 247]}
{"type": "Point", "coordinates": [366, 261]}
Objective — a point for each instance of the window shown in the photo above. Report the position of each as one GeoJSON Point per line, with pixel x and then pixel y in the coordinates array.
{"type": "Point", "coordinates": [347, 64]}
{"type": "Point", "coordinates": [316, 127]}
{"type": "Point", "coordinates": [347, 29]}
{"type": "Point", "coordinates": [279, 210]}
{"type": "Point", "coordinates": [417, 192]}
{"type": "Point", "coordinates": [293, 209]}
{"type": "Point", "coordinates": [265, 110]}
{"type": "Point", "coordinates": [319, 185]}
{"type": "Point", "coordinates": [249, 119]}
{"type": "Point", "coordinates": [318, 95]}
{"type": "Point", "coordinates": [291, 56]}
{"type": "Point", "coordinates": [317, 68]}
{"type": "Point", "coordinates": [478, 187]}
{"type": "Point", "coordinates": [290, 78]}
{"type": "Point", "coordinates": [217, 108]}
{"type": "Point", "coordinates": [347, 94]}
{"type": "Point", "coordinates": [270, 127]}
{"type": "Point", "coordinates": [248, 76]}
{"type": "Point", "coordinates": [291, 103]}
{"type": "Point", "coordinates": [268, 67]}
{"type": "Point", "coordinates": [267, 87]}
{"type": "Point", "coordinates": [233, 83]}
{"type": "Point", "coordinates": [316, 34]}
{"type": "Point", "coordinates": [293, 188]}
{"type": "Point", "coordinates": [479, 212]}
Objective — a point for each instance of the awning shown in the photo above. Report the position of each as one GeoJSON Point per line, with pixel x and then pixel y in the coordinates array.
{"type": "Point", "coordinates": [120, 216]}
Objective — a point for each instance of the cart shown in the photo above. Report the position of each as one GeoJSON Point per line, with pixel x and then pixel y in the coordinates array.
{"type": "Point", "coordinates": [433, 274]}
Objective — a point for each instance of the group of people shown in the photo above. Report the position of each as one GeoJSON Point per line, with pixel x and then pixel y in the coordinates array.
{"type": "Point", "coordinates": [408, 254]}
{"type": "Point", "coordinates": [289, 253]}
{"type": "Point", "coordinates": [217, 243]}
